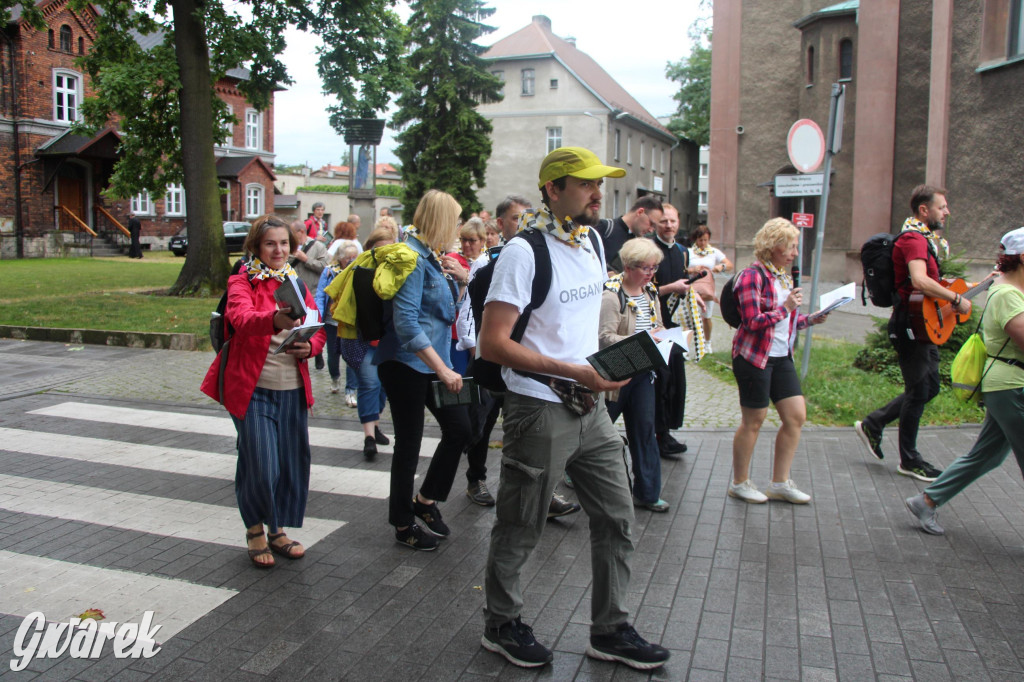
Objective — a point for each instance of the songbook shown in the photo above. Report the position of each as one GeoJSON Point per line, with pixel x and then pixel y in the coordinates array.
{"type": "Point", "coordinates": [299, 334]}
{"type": "Point", "coordinates": [289, 294]}
{"type": "Point", "coordinates": [469, 395]}
{"type": "Point", "coordinates": [835, 298]}
{"type": "Point", "coordinates": [629, 357]}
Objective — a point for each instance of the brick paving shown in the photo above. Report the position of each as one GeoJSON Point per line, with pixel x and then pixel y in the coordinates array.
{"type": "Point", "coordinates": [846, 588]}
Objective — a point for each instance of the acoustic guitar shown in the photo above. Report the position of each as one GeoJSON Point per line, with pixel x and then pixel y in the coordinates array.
{"type": "Point", "coordinates": [931, 319]}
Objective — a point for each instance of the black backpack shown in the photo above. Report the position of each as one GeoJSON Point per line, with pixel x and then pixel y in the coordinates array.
{"type": "Point", "coordinates": [879, 275]}
{"type": "Point", "coordinates": [728, 305]}
{"type": "Point", "coordinates": [485, 372]}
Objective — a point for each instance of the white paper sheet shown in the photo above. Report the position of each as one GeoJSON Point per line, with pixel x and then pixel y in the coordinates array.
{"type": "Point", "coordinates": [837, 297]}
{"type": "Point", "coordinates": [676, 335]}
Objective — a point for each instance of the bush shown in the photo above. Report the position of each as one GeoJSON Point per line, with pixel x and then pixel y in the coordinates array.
{"type": "Point", "coordinates": [879, 357]}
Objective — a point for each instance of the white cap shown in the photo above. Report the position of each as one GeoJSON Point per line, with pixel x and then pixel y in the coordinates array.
{"type": "Point", "coordinates": [1013, 242]}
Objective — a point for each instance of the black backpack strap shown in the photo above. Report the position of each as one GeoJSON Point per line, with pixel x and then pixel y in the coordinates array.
{"type": "Point", "coordinates": [541, 279]}
{"type": "Point", "coordinates": [597, 244]}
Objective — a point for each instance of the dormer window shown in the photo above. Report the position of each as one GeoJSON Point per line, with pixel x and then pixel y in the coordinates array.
{"type": "Point", "coordinates": [65, 38]}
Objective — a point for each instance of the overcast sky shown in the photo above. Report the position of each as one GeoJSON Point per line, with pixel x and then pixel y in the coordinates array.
{"type": "Point", "coordinates": [631, 41]}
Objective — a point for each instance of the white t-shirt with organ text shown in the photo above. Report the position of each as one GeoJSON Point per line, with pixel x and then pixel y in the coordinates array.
{"type": "Point", "coordinates": [565, 326]}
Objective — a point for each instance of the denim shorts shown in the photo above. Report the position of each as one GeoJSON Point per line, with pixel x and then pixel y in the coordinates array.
{"type": "Point", "coordinates": [777, 381]}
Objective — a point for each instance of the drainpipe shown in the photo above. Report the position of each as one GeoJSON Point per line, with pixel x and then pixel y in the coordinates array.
{"type": "Point", "coordinates": [19, 233]}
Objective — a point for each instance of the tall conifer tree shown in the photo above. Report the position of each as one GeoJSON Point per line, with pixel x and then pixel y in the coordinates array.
{"type": "Point", "coordinates": [444, 142]}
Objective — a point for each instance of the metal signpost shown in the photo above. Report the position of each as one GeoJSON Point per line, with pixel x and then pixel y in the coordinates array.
{"type": "Point", "coordinates": [834, 137]}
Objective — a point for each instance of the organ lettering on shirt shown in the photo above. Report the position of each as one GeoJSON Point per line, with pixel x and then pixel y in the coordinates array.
{"type": "Point", "coordinates": [580, 293]}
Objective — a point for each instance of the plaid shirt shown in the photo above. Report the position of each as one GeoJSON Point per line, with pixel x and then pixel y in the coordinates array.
{"type": "Point", "coordinates": [754, 289]}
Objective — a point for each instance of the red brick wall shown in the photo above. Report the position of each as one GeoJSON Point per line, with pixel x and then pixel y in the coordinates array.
{"type": "Point", "coordinates": [35, 64]}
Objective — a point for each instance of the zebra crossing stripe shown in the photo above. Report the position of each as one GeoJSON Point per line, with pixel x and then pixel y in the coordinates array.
{"type": "Point", "coordinates": [144, 513]}
{"type": "Point", "coordinates": [61, 589]}
{"type": "Point", "coordinates": [207, 425]}
{"type": "Point", "coordinates": [322, 478]}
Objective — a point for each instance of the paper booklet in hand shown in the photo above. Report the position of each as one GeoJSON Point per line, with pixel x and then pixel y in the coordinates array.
{"type": "Point", "coordinates": [469, 395]}
{"type": "Point", "coordinates": [637, 354]}
{"type": "Point", "coordinates": [288, 294]}
{"type": "Point", "coordinates": [835, 298]}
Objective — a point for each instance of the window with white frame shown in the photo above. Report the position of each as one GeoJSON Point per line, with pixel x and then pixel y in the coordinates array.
{"type": "Point", "coordinates": [500, 75]}
{"type": "Point", "coordinates": [174, 200]}
{"type": "Point", "coordinates": [615, 204]}
{"type": "Point", "coordinates": [618, 144]}
{"type": "Point", "coordinates": [554, 139]}
{"type": "Point", "coordinates": [654, 159]}
{"type": "Point", "coordinates": [528, 78]}
{"type": "Point", "coordinates": [702, 198]}
{"type": "Point", "coordinates": [66, 96]}
{"type": "Point", "coordinates": [662, 164]}
{"type": "Point", "coordinates": [252, 129]}
{"type": "Point", "coordinates": [641, 153]}
{"type": "Point", "coordinates": [703, 170]}
{"type": "Point", "coordinates": [141, 204]}
{"type": "Point", "coordinates": [629, 149]}
{"type": "Point", "coordinates": [253, 201]}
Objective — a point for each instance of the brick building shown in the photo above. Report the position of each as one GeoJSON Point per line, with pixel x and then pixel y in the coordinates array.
{"type": "Point", "coordinates": [51, 179]}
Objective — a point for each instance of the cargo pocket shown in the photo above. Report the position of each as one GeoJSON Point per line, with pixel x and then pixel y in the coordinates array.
{"type": "Point", "coordinates": [520, 492]}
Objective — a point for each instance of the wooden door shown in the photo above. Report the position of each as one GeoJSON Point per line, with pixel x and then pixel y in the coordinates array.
{"type": "Point", "coordinates": [72, 197]}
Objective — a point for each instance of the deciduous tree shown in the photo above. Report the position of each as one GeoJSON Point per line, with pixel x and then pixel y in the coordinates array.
{"type": "Point", "coordinates": [692, 119]}
{"type": "Point", "coordinates": [444, 142]}
{"type": "Point", "coordinates": [153, 67]}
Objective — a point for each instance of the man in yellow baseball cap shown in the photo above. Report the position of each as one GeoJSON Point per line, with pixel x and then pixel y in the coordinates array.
{"type": "Point", "coordinates": [555, 416]}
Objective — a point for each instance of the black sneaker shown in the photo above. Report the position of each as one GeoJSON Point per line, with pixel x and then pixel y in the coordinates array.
{"type": "Point", "coordinates": [514, 640]}
{"type": "Point", "coordinates": [559, 506]}
{"type": "Point", "coordinates": [478, 493]}
{"type": "Point", "coordinates": [369, 448]}
{"type": "Point", "coordinates": [414, 537]}
{"type": "Point", "coordinates": [921, 470]}
{"type": "Point", "coordinates": [625, 645]}
{"type": "Point", "coordinates": [318, 361]}
{"type": "Point", "coordinates": [669, 445]}
{"type": "Point", "coordinates": [379, 437]}
{"type": "Point", "coordinates": [431, 516]}
{"type": "Point", "coordinates": [872, 441]}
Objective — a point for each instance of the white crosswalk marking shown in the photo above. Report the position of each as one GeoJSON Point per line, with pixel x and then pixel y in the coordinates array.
{"type": "Point", "coordinates": [144, 513]}
{"type": "Point", "coordinates": [60, 590]}
{"type": "Point", "coordinates": [326, 479]}
{"type": "Point", "coordinates": [211, 426]}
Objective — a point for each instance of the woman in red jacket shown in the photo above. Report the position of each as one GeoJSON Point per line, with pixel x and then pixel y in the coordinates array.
{"type": "Point", "coordinates": [267, 395]}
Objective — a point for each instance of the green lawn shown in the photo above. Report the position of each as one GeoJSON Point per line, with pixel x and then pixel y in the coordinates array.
{"type": "Point", "coordinates": [838, 394]}
{"type": "Point", "coordinates": [100, 293]}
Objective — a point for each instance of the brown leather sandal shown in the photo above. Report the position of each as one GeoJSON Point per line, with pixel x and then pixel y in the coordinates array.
{"type": "Point", "coordinates": [284, 550]}
{"type": "Point", "coordinates": [253, 553]}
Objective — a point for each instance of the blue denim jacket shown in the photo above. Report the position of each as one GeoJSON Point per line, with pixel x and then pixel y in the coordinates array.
{"type": "Point", "coordinates": [422, 313]}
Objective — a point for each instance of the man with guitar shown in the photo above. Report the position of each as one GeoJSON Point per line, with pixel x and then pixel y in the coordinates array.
{"type": "Point", "coordinates": [915, 257]}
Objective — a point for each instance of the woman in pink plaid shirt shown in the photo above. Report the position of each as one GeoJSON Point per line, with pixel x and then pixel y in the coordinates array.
{"type": "Point", "coordinates": [762, 360]}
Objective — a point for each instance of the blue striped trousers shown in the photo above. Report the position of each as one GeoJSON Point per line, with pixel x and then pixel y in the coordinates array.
{"type": "Point", "coordinates": [272, 476]}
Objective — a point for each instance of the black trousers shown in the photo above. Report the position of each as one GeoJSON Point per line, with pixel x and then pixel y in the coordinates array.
{"type": "Point", "coordinates": [919, 364]}
{"type": "Point", "coordinates": [408, 391]}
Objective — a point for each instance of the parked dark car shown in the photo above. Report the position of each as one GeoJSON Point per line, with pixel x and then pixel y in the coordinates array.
{"type": "Point", "coordinates": [235, 233]}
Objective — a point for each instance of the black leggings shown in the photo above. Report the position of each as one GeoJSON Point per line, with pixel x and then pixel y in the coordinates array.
{"type": "Point", "coordinates": [408, 392]}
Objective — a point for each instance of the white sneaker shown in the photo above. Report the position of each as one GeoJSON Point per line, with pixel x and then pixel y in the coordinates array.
{"type": "Point", "coordinates": [747, 492]}
{"type": "Point", "coordinates": [335, 385]}
{"type": "Point", "coordinates": [707, 347]}
{"type": "Point", "coordinates": [787, 491]}
{"type": "Point", "coordinates": [350, 399]}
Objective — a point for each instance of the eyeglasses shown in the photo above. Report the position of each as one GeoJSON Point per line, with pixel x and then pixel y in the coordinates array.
{"type": "Point", "coordinates": [646, 269]}
{"type": "Point", "coordinates": [466, 240]}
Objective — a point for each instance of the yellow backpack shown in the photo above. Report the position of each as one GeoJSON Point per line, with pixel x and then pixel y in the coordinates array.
{"type": "Point", "coordinates": [968, 368]}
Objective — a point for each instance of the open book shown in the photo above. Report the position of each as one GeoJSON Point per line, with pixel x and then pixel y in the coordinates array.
{"type": "Point", "coordinates": [835, 298]}
{"type": "Point", "coordinates": [637, 354]}
{"type": "Point", "coordinates": [301, 333]}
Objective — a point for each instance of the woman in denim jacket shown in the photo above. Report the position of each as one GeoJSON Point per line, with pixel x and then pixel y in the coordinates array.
{"type": "Point", "coordinates": [413, 353]}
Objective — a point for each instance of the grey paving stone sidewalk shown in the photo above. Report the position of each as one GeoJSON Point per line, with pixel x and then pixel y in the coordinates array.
{"type": "Point", "coordinates": [845, 588]}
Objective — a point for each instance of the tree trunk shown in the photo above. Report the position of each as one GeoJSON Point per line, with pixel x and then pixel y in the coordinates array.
{"type": "Point", "coordinates": [206, 265]}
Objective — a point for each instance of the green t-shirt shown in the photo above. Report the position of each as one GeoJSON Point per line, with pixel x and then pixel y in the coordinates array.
{"type": "Point", "coordinates": [1005, 302]}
